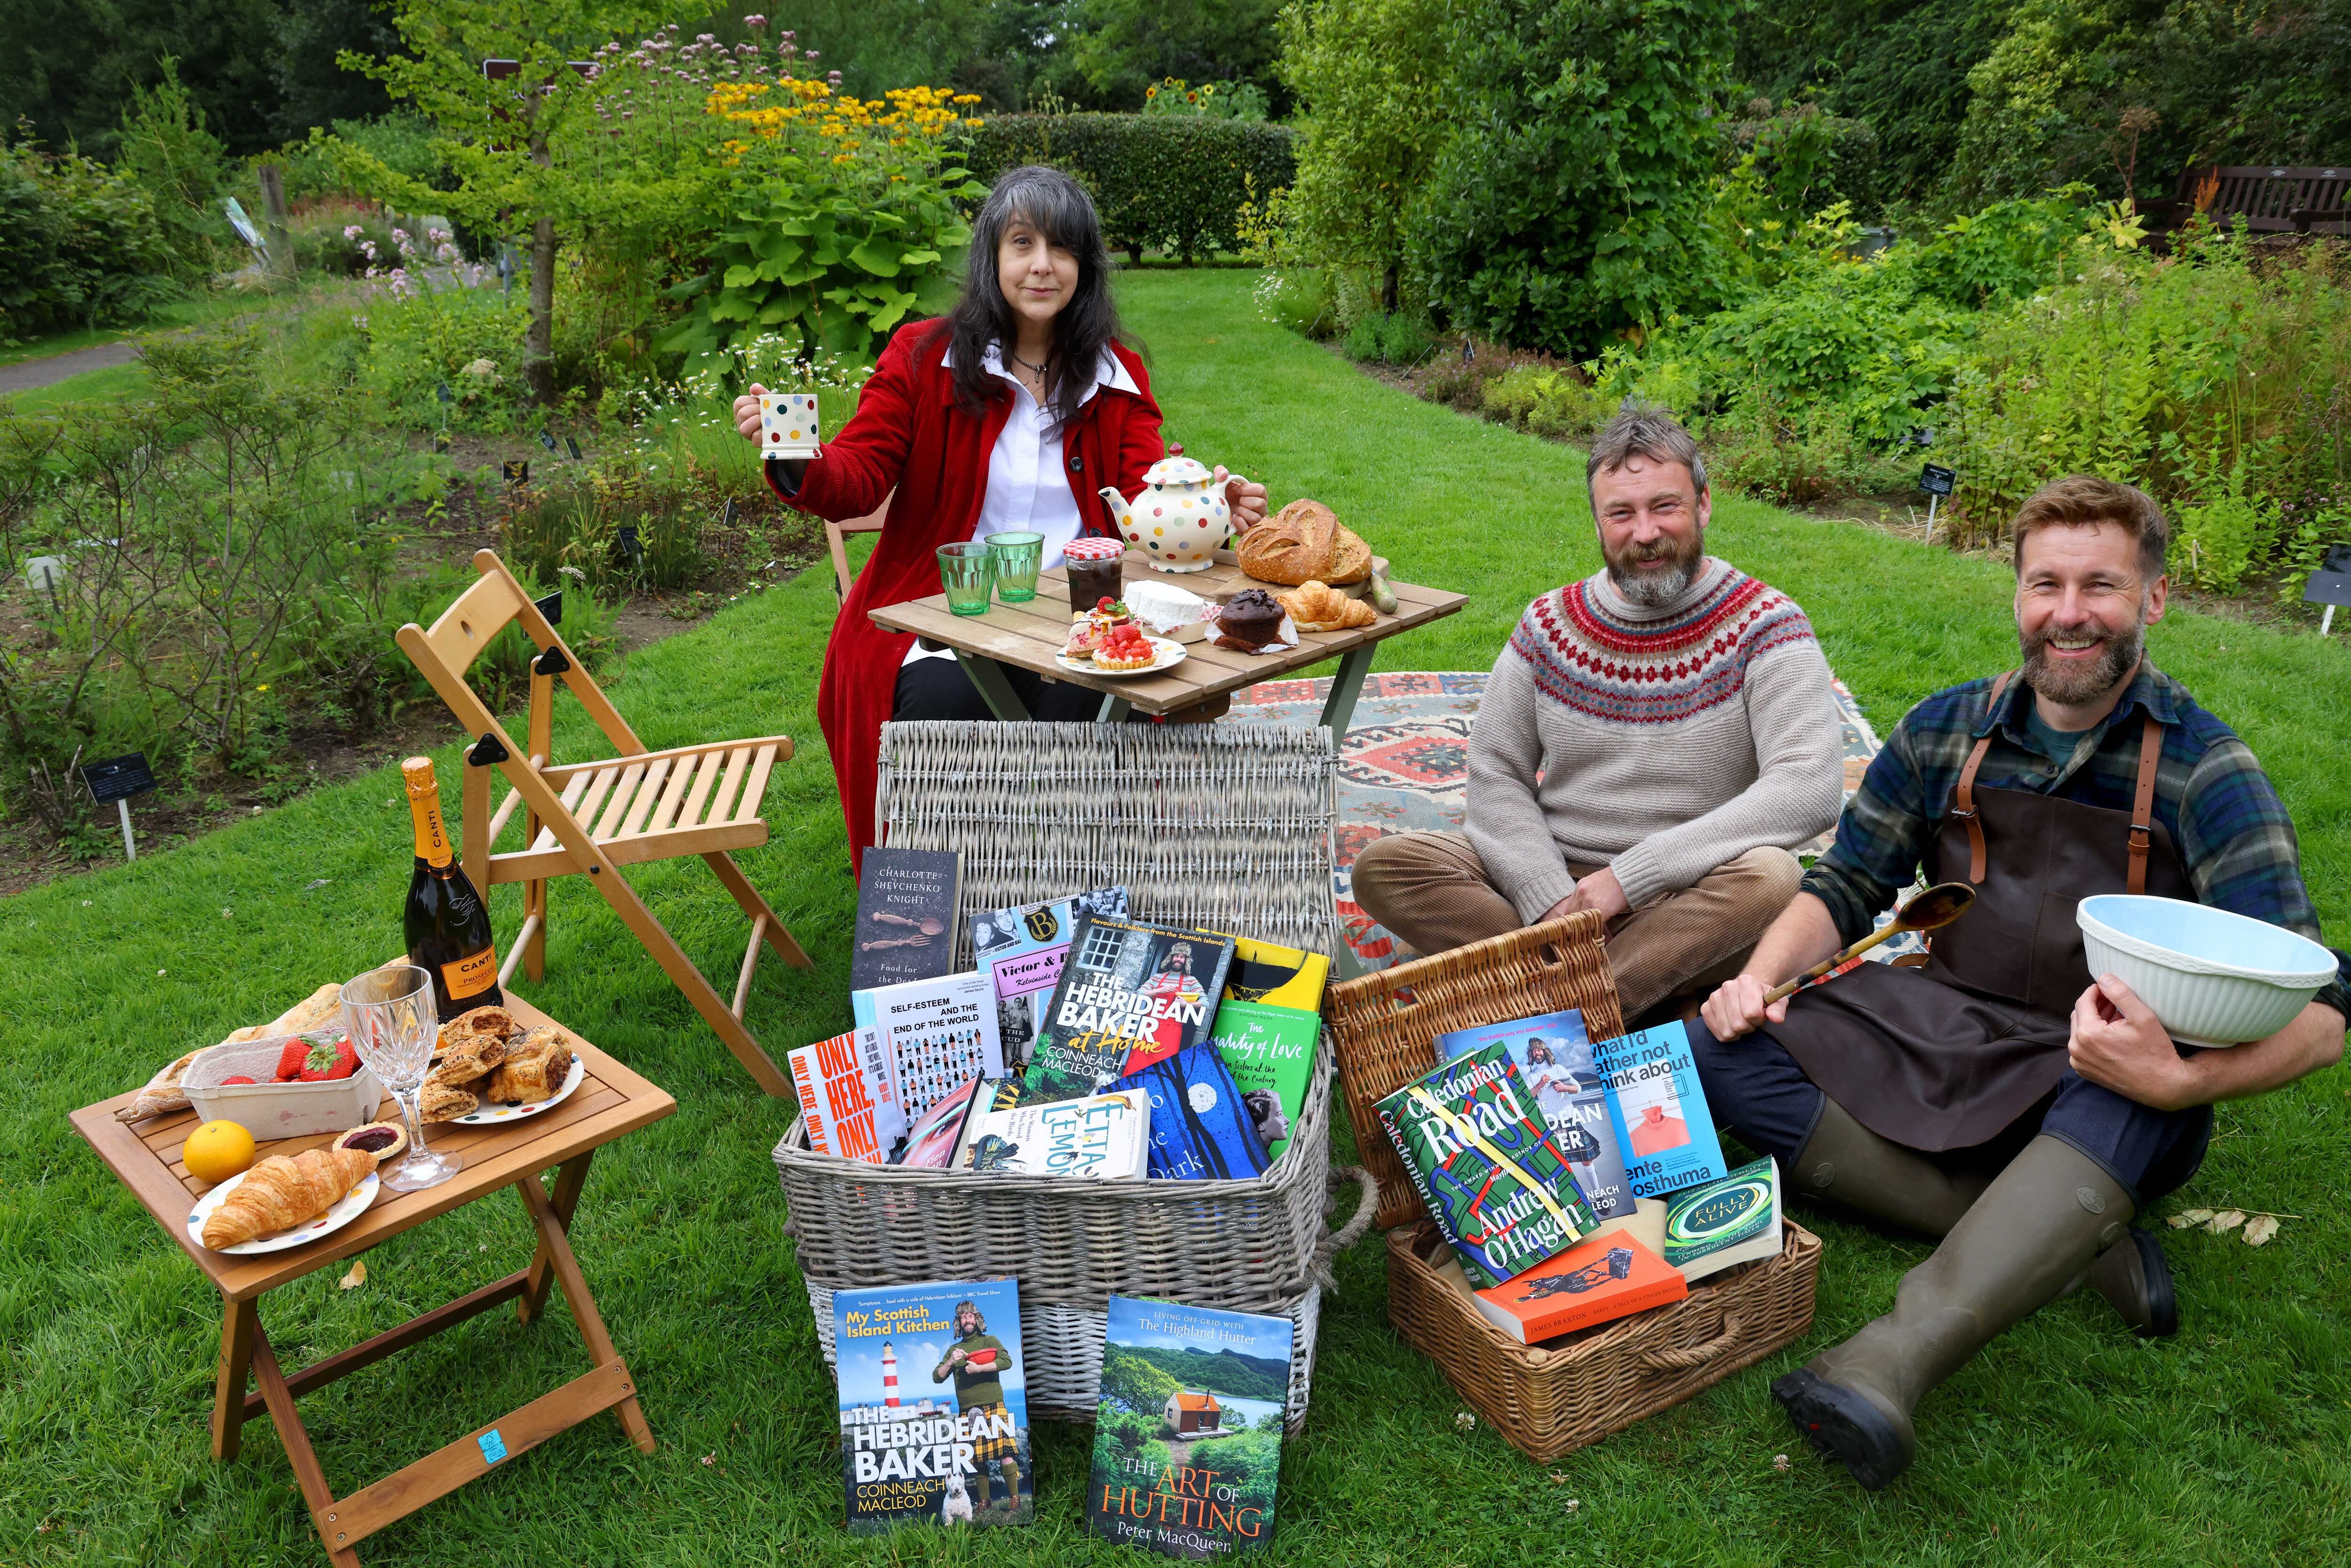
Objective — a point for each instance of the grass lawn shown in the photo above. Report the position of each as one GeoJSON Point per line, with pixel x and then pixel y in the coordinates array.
{"type": "Point", "coordinates": [2068, 1443]}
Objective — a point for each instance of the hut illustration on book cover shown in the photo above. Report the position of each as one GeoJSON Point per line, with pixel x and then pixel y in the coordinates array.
{"type": "Point", "coordinates": [1129, 994]}
{"type": "Point", "coordinates": [1482, 1159]}
{"type": "Point", "coordinates": [1187, 1440]}
{"type": "Point", "coordinates": [934, 1405]}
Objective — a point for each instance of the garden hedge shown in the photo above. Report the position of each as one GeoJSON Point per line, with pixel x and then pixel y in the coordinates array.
{"type": "Point", "coordinates": [1173, 182]}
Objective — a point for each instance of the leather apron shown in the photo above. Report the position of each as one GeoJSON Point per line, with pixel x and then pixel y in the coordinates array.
{"type": "Point", "coordinates": [1947, 1055]}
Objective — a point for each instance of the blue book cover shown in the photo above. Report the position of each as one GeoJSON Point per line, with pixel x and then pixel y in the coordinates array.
{"type": "Point", "coordinates": [1669, 1142]}
{"type": "Point", "coordinates": [1201, 1128]}
{"type": "Point", "coordinates": [934, 1405]}
{"type": "Point", "coordinates": [1554, 1055]}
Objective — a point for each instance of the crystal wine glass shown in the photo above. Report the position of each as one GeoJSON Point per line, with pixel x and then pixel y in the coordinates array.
{"type": "Point", "coordinates": [390, 1014]}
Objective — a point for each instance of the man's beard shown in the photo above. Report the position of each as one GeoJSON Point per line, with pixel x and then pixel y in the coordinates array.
{"type": "Point", "coordinates": [1655, 575]}
{"type": "Point", "coordinates": [2073, 685]}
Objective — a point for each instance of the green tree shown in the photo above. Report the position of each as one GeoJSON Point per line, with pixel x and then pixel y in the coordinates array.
{"type": "Point", "coordinates": [1120, 47]}
{"type": "Point", "coordinates": [498, 136]}
{"type": "Point", "coordinates": [1576, 200]}
{"type": "Point", "coordinates": [1135, 1384]}
{"type": "Point", "coordinates": [1372, 85]}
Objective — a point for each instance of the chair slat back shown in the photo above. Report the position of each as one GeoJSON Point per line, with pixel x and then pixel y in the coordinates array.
{"type": "Point", "coordinates": [465, 631]}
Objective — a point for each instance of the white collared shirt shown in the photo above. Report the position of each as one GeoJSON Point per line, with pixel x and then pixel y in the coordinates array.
{"type": "Point", "coordinates": [1028, 487]}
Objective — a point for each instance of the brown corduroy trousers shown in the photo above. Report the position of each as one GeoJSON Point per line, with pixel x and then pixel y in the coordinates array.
{"type": "Point", "coordinates": [1432, 890]}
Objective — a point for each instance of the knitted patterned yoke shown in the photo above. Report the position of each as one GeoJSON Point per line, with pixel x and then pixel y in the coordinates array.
{"type": "Point", "coordinates": [1661, 741]}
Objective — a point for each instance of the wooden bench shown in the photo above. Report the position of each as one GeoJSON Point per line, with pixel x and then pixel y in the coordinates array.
{"type": "Point", "coordinates": [2270, 198]}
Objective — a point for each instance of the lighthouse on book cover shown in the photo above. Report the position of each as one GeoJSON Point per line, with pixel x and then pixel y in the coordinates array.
{"type": "Point", "coordinates": [889, 1373]}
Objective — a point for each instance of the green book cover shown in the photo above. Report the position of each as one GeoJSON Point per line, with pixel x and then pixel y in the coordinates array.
{"type": "Point", "coordinates": [1734, 1220]}
{"type": "Point", "coordinates": [1481, 1157]}
{"type": "Point", "coordinates": [1269, 1052]}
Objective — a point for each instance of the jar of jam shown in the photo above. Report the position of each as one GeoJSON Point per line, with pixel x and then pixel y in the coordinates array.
{"type": "Point", "coordinates": [1097, 572]}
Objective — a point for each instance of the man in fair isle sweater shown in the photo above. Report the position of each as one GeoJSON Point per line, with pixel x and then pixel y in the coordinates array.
{"type": "Point", "coordinates": [1651, 745]}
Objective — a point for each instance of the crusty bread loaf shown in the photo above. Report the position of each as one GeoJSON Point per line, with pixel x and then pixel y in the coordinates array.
{"type": "Point", "coordinates": [1304, 542]}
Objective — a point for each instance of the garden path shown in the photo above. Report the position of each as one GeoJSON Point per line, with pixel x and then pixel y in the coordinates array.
{"type": "Point", "coordinates": [26, 375]}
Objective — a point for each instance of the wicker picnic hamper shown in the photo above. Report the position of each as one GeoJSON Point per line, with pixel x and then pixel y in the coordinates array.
{"type": "Point", "coordinates": [1383, 1023]}
{"type": "Point", "coordinates": [1221, 827]}
{"type": "Point", "coordinates": [1551, 1401]}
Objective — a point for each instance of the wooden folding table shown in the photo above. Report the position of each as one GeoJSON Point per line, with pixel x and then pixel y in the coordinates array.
{"type": "Point", "coordinates": [1029, 635]}
{"type": "Point", "coordinates": [611, 1100]}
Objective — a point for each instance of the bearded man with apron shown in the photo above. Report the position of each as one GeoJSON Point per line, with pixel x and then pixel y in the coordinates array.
{"type": "Point", "coordinates": [2000, 1098]}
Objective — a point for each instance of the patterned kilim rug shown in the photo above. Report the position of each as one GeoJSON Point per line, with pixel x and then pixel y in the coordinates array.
{"type": "Point", "coordinates": [1405, 766]}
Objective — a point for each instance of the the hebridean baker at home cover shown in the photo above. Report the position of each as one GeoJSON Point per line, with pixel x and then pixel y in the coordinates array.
{"type": "Point", "coordinates": [934, 1405]}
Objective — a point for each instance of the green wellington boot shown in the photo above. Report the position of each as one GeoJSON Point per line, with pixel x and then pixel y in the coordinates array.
{"type": "Point", "coordinates": [1845, 1164]}
{"type": "Point", "coordinates": [2036, 1228]}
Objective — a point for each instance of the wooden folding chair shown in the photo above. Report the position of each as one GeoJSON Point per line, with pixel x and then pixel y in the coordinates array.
{"type": "Point", "coordinates": [836, 539]}
{"type": "Point", "coordinates": [593, 817]}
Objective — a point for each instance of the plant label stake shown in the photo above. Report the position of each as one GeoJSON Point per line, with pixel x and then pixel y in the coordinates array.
{"type": "Point", "coordinates": [1938, 482]}
{"type": "Point", "coordinates": [518, 472]}
{"type": "Point", "coordinates": [42, 572]}
{"type": "Point", "coordinates": [547, 439]}
{"type": "Point", "coordinates": [2330, 585]}
{"type": "Point", "coordinates": [574, 445]}
{"type": "Point", "coordinates": [116, 780]}
{"type": "Point", "coordinates": [629, 546]}
{"type": "Point", "coordinates": [550, 607]}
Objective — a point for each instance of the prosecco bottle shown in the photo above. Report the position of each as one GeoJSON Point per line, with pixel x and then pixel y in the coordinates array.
{"type": "Point", "coordinates": [446, 923]}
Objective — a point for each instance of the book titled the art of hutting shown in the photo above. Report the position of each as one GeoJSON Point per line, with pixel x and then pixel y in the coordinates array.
{"type": "Point", "coordinates": [1187, 1438]}
{"type": "Point", "coordinates": [1129, 994]}
{"type": "Point", "coordinates": [1482, 1159]}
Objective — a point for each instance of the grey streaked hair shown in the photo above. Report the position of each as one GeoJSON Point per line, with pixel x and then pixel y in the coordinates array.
{"type": "Point", "coordinates": [1643, 430]}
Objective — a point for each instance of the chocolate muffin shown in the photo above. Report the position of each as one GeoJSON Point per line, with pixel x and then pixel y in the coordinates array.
{"type": "Point", "coordinates": [1249, 621]}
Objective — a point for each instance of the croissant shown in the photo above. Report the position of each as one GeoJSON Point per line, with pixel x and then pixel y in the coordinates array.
{"type": "Point", "coordinates": [1303, 541]}
{"type": "Point", "coordinates": [1318, 607]}
{"type": "Point", "coordinates": [280, 1194]}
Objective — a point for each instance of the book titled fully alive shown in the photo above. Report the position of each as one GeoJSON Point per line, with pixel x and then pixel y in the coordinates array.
{"type": "Point", "coordinates": [1129, 994]}
{"type": "Point", "coordinates": [906, 916]}
{"type": "Point", "coordinates": [1482, 1159]}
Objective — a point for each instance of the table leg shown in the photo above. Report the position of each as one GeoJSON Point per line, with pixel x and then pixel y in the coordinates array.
{"type": "Point", "coordinates": [298, 1452]}
{"type": "Point", "coordinates": [568, 1180]}
{"type": "Point", "coordinates": [994, 689]}
{"type": "Point", "coordinates": [557, 1247]}
{"type": "Point", "coordinates": [1114, 709]}
{"type": "Point", "coordinates": [237, 1326]}
{"type": "Point", "coordinates": [1339, 706]}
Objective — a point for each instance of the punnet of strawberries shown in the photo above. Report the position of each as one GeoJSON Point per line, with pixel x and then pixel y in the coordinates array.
{"type": "Point", "coordinates": [316, 1061]}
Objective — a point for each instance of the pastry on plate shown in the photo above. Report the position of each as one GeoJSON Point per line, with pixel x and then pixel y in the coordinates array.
{"type": "Point", "coordinates": [534, 1071]}
{"type": "Point", "coordinates": [446, 1103]}
{"type": "Point", "coordinates": [1317, 607]}
{"type": "Point", "coordinates": [470, 1056]}
{"type": "Point", "coordinates": [280, 1193]}
{"type": "Point", "coordinates": [1124, 647]}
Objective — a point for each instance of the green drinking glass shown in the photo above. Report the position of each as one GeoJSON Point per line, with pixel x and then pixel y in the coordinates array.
{"type": "Point", "coordinates": [968, 572]}
{"type": "Point", "coordinates": [1017, 557]}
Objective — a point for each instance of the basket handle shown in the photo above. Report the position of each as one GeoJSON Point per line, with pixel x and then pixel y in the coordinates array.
{"type": "Point", "coordinates": [1697, 1354]}
{"type": "Point", "coordinates": [1318, 1267]}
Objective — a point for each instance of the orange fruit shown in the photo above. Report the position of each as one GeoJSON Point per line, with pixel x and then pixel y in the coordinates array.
{"type": "Point", "coordinates": [217, 1151]}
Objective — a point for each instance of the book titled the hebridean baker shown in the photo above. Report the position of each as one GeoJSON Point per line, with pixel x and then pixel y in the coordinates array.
{"type": "Point", "coordinates": [1482, 1158]}
{"type": "Point", "coordinates": [1129, 994]}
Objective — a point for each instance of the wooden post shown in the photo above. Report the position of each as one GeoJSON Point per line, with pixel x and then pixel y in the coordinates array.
{"type": "Point", "coordinates": [273, 205]}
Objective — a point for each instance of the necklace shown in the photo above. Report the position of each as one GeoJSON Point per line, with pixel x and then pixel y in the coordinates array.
{"type": "Point", "coordinates": [1024, 365]}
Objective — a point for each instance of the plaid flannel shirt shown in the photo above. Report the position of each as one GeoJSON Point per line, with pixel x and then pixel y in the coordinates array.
{"type": "Point", "coordinates": [2233, 832]}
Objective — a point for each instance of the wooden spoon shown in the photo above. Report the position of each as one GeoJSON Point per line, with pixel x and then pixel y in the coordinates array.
{"type": "Point", "coordinates": [928, 926]}
{"type": "Point", "coordinates": [1930, 910]}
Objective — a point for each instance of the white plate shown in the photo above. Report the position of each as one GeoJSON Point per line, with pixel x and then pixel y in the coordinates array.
{"type": "Point", "coordinates": [350, 1207]}
{"type": "Point", "coordinates": [490, 1112]}
{"type": "Point", "coordinates": [1169, 653]}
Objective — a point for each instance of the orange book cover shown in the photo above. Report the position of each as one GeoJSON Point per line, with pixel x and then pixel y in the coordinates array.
{"type": "Point", "coordinates": [1610, 1276]}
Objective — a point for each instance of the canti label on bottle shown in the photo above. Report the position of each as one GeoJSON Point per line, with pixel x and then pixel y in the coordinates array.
{"type": "Point", "coordinates": [471, 976]}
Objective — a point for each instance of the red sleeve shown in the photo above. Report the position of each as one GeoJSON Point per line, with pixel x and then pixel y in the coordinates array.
{"type": "Point", "coordinates": [1140, 441]}
{"type": "Point", "coordinates": [862, 465]}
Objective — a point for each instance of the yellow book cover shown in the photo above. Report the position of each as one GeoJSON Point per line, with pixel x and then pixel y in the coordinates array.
{"type": "Point", "coordinates": [1277, 975]}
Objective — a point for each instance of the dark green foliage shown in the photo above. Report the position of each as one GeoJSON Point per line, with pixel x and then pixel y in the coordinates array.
{"type": "Point", "coordinates": [1163, 181]}
{"type": "Point", "coordinates": [1148, 1374]}
{"type": "Point", "coordinates": [1388, 337]}
{"type": "Point", "coordinates": [1803, 160]}
{"type": "Point", "coordinates": [1122, 46]}
{"type": "Point", "coordinates": [1574, 202]}
{"type": "Point", "coordinates": [80, 247]}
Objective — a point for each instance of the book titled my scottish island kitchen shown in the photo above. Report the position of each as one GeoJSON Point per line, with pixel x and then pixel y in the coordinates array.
{"type": "Point", "coordinates": [934, 1405]}
{"type": "Point", "coordinates": [1187, 1438]}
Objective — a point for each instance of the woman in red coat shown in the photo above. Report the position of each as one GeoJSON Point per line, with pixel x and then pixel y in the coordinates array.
{"type": "Point", "coordinates": [1008, 413]}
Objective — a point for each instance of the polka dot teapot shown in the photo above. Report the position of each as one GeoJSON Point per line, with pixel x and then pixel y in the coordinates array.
{"type": "Point", "coordinates": [1179, 519]}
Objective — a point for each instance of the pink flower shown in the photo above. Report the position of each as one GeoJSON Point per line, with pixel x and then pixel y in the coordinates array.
{"type": "Point", "coordinates": [350, 230]}
{"type": "Point", "coordinates": [754, 21]}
